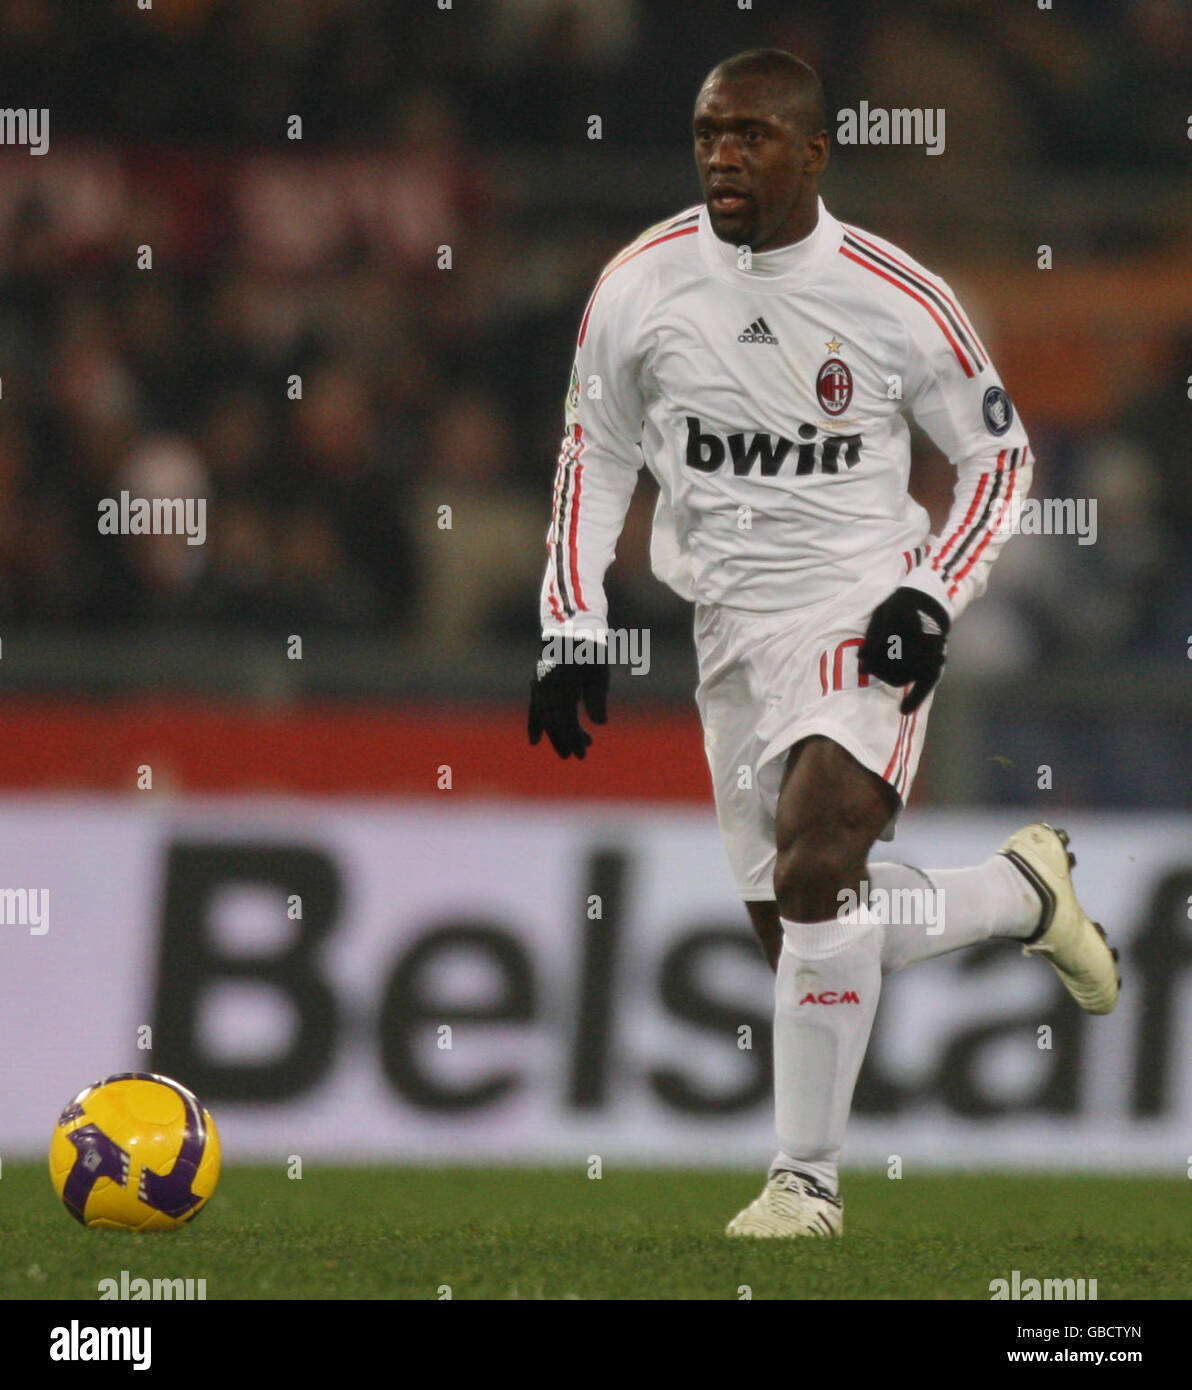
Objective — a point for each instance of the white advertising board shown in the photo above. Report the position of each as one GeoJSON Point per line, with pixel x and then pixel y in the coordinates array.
{"type": "Point", "coordinates": [474, 982]}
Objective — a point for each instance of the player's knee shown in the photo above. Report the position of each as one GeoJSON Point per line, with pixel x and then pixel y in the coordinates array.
{"type": "Point", "coordinates": [809, 877]}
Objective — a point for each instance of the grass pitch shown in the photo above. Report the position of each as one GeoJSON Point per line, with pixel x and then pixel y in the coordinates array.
{"type": "Point", "coordinates": [634, 1234]}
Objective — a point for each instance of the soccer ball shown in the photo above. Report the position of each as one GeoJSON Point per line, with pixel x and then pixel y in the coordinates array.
{"type": "Point", "coordinates": [136, 1152]}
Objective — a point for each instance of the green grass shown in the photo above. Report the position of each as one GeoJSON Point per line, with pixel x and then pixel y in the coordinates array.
{"type": "Point", "coordinates": [514, 1233]}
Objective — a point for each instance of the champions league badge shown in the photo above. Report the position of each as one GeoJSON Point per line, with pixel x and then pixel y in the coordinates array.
{"type": "Point", "coordinates": [834, 386]}
{"type": "Point", "coordinates": [997, 410]}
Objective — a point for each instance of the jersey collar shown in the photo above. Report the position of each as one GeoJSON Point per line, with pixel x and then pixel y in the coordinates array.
{"type": "Point", "coordinates": [772, 271]}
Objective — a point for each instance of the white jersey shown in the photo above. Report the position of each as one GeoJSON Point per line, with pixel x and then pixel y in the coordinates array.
{"type": "Point", "coordinates": [766, 395]}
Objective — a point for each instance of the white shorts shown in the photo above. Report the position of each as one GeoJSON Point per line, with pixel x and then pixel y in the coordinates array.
{"type": "Point", "coordinates": [768, 680]}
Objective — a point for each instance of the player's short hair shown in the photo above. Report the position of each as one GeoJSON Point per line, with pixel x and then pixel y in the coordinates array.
{"type": "Point", "coordinates": [800, 79]}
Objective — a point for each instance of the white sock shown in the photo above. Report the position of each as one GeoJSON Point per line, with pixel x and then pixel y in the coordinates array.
{"type": "Point", "coordinates": [825, 998]}
{"type": "Point", "coordinates": [952, 908]}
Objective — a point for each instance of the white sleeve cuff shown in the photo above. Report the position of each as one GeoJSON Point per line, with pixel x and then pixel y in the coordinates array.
{"type": "Point", "coordinates": [585, 625]}
{"type": "Point", "coordinates": [928, 582]}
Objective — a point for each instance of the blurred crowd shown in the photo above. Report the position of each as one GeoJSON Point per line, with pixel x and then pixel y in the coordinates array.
{"type": "Point", "coordinates": [355, 343]}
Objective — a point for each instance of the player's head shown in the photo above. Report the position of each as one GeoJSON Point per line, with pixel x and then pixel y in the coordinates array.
{"type": "Point", "coordinates": [761, 143]}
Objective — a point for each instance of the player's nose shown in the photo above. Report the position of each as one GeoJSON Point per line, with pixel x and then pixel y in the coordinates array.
{"type": "Point", "coordinates": [725, 155]}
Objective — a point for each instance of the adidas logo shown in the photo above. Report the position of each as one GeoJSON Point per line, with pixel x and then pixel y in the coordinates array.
{"type": "Point", "coordinates": [757, 332]}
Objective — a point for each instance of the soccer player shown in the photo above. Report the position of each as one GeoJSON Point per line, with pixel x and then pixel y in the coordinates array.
{"type": "Point", "coordinates": [758, 355]}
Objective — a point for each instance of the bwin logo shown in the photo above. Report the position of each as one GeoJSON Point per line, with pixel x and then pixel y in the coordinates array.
{"type": "Point", "coordinates": [832, 453]}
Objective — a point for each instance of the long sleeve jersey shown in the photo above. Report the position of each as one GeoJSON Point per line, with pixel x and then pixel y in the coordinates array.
{"type": "Point", "coordinates": [767, 394]}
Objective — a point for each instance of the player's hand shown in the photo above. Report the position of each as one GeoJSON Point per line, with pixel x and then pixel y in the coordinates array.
{"type": "Point", "coordinates": [906, 644]}
{"type": "Point", "coordinates": [555, 694]}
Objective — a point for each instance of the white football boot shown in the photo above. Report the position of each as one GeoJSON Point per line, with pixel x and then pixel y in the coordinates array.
{"type": "Point", "coordinates": [1074, 945]}
{"type": "Point", "coordinates": [790, 1205]}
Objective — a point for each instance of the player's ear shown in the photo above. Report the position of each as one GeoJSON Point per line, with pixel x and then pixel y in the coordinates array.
{"type": "Point", "coordinates": [818, 148]}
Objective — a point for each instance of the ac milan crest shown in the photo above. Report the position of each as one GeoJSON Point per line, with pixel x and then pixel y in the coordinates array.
{"type": "Point", "coordinates": [834, 386]}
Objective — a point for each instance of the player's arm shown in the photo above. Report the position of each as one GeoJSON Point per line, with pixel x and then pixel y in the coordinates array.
{"type": "Point", "coordinates": [594, 481]}
{"type": "Point", "coordinates": [955, 393]}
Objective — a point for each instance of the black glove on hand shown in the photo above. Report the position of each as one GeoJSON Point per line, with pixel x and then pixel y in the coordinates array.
{"type": "Point", "coordinates": [555, 695]}
{"type": "Point", "coordinates": [906, 643]}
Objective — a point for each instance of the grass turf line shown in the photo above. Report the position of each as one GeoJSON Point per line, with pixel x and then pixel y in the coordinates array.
{"type": "Point", "coordinates": [502, 1233]}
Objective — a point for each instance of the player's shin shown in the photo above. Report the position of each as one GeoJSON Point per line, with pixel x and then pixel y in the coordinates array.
{"type": "Point", "coordinates": [927, 912]}
{"type": "Point", "coordinates": [829, 979]}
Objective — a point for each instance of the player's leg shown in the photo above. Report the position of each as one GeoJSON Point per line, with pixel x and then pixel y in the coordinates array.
{"type": "Point", "coordinates": [835, 948]}
{"type": "Point", "coordinates": [928, 912]}
{"type": "Point", "coordinates": [1023, 893]}
{"type": "Point", "coordinates": [830, 810]}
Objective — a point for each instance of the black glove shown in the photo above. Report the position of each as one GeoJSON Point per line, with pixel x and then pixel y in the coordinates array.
{"type": "Point", "coordinates": [906, 643]}
{"type": "Point", "coordinates": [555, 695]}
